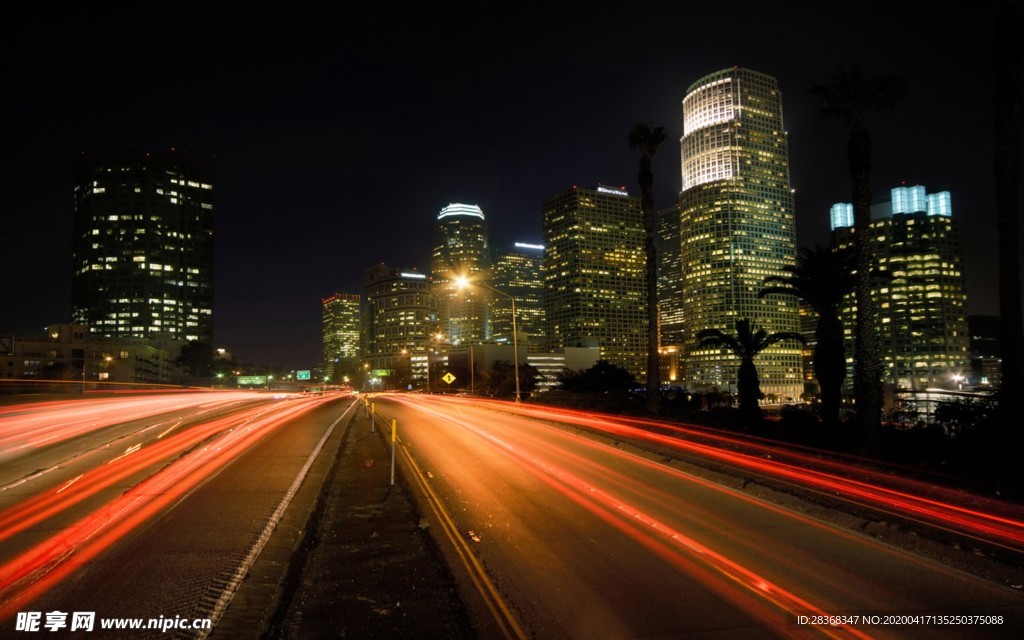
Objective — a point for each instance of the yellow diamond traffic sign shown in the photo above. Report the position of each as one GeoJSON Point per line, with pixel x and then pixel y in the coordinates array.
{"type": "Point", "coordinates": [448, 377]}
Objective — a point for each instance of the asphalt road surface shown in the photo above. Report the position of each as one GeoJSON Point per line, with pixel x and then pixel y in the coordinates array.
{"type": "Point", "coordinates": [566, 537]}
{"type": "Point", "coordinates": [157, 508]}
{"type": "Point", "coordinates": [146, 508]}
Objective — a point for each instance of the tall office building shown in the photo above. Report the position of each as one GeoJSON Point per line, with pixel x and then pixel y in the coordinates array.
{"type": "Point", "coordinates": [736, 225]}
{"type": "Point", "coordinates": [518, 271]}
{"type": "Point", "coordinates": [341, 331]}
{"type": "Point", "coordinates": [594, 274]}
{"type": "Point", "coordinates": [398, 319]}
{"type": "Point", "coordinates": [984, 349]}
{"type": "Point", "coordinates": [922, 321]}
{"type": "Point", "coordinates": [461, 251]}
{"type": "Point", "coordinates": [143, 245]}
{"type": "Point", "coordinates": [671, 327]}
{"type": "Point", "coordinates": [670, 278]}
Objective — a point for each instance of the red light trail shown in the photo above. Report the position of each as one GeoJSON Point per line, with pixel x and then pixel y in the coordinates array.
{"type": "Point", "coordinates": [594, 476]}
{"type": "Point", "coordinates": [1001, 524]}
{"type": "Point", "coordinates": [176, 465]}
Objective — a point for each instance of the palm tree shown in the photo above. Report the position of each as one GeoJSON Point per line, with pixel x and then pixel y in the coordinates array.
{"type": "Point", "coordinates": [746, 344]}
{"type": "Point", "coordinates": [1007, 103]}
{"type": "Point", "coordinates": [647, 139]}
{"type": "Point", "coordinates": [822, 277]}
{"type": "Point", "coordinates": [850, 97]}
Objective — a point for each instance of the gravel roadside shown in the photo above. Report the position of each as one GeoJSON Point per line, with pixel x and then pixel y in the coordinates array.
{"type": "Point", "coordinates": [365, 568]}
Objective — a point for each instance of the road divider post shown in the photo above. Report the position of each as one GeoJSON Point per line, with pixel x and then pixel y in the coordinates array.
{"type": "Point", "coordinates": [394, 437]}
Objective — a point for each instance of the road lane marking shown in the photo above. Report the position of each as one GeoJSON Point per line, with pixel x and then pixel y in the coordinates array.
{"type": "Point", "coordinates": [503, 616]}
{"type": "Point", "coordinates": [243, 568]}
{"type": "Point", "coordinates": [71, 482]}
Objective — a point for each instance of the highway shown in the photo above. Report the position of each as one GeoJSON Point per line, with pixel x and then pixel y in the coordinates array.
{"type": "Point", "coordinates": [147, 507]}
{"type": "Point", "coordinates": [155, 507]}
{"type": "Point", "coordinates": [564, 536]}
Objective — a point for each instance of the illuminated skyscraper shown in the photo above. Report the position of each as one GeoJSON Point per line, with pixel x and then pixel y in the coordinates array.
{"type": "Point", "coordinates": [922, 321]}
{"type": "Point", "coordinates": [519, 272]}
{"type": "Point", "coordinates": [594, 274]}
{"type": "Point", "coordinates": [143, 245]}
{"type": "Point", "coordinates": [398, 319]}
{"type": "Point", "coordinates": [461, 251]}
{"type": "Point", "coordinates": [736, 225]}
{"type": "Point", "coordinates": [670, 278]}
{"type": "Point", "coordinates": [671, 321]}
{"type": "Point", "coordinates": [341, 323]}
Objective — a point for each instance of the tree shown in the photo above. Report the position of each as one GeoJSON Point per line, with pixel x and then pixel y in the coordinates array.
{"type": "Point", "coordinates": [822, 277]}
{"type": "Point", "coordinates": [500, 379]}
{"type": "Point", "coordinates": [647, 139]}
{"type": "Point", "coordinates": [196, 359]}
{"type": "Point", "coordinates": [1007, 103]}
{"type": "Point", "coordinates": [746, 344]}
{"type": "Point", "coordinates": [601, 377]}
{"type": "Point", "coordinates": [850, 97]}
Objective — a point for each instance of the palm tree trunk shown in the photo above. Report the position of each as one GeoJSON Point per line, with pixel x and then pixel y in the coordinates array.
{"type": "Point", "coordinates": [646, 180]}
{"type": "Point", "coordinates": [867, 378]}
{"type": "Point", "coordinates": [748, 387]}
{"type": "Point", "coordinates": [830, 367]}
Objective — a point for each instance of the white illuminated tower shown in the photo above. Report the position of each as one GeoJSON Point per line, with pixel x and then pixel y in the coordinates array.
{"type": "Point", "coordinates": [460, 251]}
{"type": "Point", "coordinates": [736, 225]}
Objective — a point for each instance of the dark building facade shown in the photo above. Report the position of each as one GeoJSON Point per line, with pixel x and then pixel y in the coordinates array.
{"type": "Point", "coordinates": [142, 263]}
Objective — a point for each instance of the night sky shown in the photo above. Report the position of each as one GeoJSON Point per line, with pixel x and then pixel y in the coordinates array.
{"type": "Point", "coordinates": [340, 132]}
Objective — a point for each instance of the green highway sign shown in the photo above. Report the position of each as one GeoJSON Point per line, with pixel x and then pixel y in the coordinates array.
{"type": "Point", "coordinates": [302, 375]}
{"type": "Point", "coordinates": [381, 373]}
{"type": "Point", "coordinates": [250, 380]}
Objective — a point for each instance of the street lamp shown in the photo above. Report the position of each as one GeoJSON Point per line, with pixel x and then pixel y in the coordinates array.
{"type": "Point", "coordinates": [462, 282]}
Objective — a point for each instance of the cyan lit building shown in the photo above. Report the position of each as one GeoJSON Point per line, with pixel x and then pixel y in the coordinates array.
{"type": "Point", "coordinates": [594, 274]}
{"type": "Point", "coordinates": [143, 245]}
{"type": "Point", "coordinates": [922, 321]}
{"type": "Point", "coordinates": [341, 329]}
{"type": "Point", "coordinates": [461, 251]}
{"type": "Point", "coordinates": [736, 226]}
{"type": "Point", "coordinates": [518, 270]}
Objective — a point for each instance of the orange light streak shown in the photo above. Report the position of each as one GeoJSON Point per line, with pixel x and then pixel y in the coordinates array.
{"type": "Point", "coordinates": [641, 526]}
{"type": "Point", "coordinates": [35, 571]}
{"type": "Point", "coordinates": [1002, 525]}
{"type": "Point", "coordinates": [45, 423]}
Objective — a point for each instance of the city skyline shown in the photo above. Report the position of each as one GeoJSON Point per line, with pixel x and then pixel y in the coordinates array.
{"type": "Point", "coordinates": [332, 159]}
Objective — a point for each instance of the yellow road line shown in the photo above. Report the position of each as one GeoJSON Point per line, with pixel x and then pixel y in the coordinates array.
{"type": "Point", "coordinates": [495, 603]}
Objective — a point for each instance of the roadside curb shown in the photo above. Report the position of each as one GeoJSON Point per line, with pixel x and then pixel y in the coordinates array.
{"type": "Point", "coordinates": [365, 569]}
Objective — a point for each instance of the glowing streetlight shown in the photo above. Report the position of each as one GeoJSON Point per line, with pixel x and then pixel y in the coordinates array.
{"type": "Point", "coordinates": [463, 282]}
